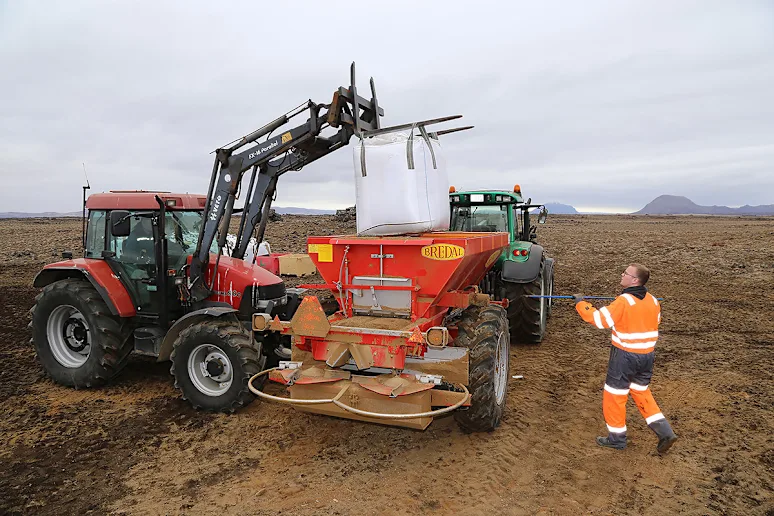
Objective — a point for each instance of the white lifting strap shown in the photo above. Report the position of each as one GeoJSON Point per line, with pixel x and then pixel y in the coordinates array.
{"type": "Point", "coordinates": [410, 146]}
{"type": "Point", "coordinates": [362, 157]}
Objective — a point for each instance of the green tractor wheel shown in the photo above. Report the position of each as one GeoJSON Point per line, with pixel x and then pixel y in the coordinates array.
{"type": "Point", "coordinates": [527, 316]}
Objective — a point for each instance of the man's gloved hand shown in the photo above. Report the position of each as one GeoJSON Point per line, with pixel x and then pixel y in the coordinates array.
{"type": "Point", "coordinates": [577, 298]}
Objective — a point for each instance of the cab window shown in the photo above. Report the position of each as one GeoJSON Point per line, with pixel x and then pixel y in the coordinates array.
{"type": "Point", "coordinates": [95, 234]}
{"type": "Point", "coordinates": [481, 218]}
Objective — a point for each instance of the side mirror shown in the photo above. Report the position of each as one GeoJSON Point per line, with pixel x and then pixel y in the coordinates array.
{"type": "Point", "coordinates": [543, 216]}
{"type": "Point", "coordinates": [120, 223]}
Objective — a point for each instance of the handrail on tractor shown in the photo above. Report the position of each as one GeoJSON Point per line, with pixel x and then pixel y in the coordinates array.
{"type": "Point", "coordinates": [335, 401]}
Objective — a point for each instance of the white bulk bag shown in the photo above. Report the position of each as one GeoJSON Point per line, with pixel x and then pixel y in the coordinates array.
{"type": "Point", "coordinates": [264, 249]}
{"type": "Point", "coordinates": [400, 185]}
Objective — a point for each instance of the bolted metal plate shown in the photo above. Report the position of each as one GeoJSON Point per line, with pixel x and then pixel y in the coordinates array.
{"type": "Point", "coordinates": [310, 319]}
{"type": "Point", "coordinates": [338, 355]}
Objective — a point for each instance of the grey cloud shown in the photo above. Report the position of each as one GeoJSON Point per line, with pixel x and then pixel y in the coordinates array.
{"type": "Point", "coordinates": [601, 104]}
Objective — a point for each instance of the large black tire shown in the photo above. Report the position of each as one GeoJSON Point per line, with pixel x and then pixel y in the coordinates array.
{"type": "Point", "coordinates": [214, 350]}
{"type": "Point", "coordinates": [527, 316]}
{"type": "Point", "coordinates": [78, 341]}
{"type": "Point", "coordinates": [484, 331]}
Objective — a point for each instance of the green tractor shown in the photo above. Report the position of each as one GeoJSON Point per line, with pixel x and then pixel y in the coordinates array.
{"type": "Point", "coordinates": [525, 269]}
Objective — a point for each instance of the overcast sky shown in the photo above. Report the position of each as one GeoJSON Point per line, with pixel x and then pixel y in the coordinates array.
{"type": "Point", "coordinates": [602, 105]}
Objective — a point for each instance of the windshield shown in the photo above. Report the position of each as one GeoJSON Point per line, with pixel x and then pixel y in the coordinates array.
{"type": "Point", "coordinates": [480, 218]}
{"type": "Point", "coordinates": [182, 232]}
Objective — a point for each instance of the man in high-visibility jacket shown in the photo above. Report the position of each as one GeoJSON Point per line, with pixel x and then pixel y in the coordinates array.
{"type": "Point", "coordinates": [634, 317]}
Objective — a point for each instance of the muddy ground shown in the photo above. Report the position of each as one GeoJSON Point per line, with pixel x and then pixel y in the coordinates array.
{"type": "Point", "coordinates": [134, 447]}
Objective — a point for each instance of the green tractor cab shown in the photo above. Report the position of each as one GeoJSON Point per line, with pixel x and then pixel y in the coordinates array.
{"type": "Point", "coordinates": [524, 269]}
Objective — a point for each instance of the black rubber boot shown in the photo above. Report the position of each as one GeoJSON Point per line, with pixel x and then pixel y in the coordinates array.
{"type": "Point", "coordinates": [666, 436]}
{"type": "Point", "coordinates": [606, 443]}
{"type": "Point", "coordinates": [664, 443]}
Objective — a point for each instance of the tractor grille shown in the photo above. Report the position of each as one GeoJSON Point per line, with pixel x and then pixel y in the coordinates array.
{"type": "Point", "coordinates": [270, 291]}
{"type": "Point", "coordinates": [275, 291]}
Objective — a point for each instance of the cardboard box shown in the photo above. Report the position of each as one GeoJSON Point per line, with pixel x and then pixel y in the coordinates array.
{"type": "Point", "coordinates": [296, 265]}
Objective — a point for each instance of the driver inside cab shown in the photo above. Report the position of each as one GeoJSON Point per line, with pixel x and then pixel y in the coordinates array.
{"type": "Point", "coordinates": [138, 246]}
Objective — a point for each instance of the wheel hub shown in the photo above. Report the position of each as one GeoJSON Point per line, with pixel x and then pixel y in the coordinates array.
{"type": "Point", "coordinates": [215, 367]}
{"type": "Point", "coordinates": [210, 370]}
{"type": "Point", "coordinates": [501, 369]}
{"type": "Point", "coordinates": [75, 334]}
{"type": "Point", "coordinates": [68, 335]}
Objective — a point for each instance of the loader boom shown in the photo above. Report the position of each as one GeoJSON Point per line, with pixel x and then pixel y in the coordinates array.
{"type": "Point", "coordinates": [269, 159]}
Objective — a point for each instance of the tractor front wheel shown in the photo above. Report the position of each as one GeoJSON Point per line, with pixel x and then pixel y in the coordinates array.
{"type": "Point", "coordinates": [78, 341]}
{"type": "Point", "coordinates": [484, 331]}
{"type": "Point", "coordinates": [212, 362]}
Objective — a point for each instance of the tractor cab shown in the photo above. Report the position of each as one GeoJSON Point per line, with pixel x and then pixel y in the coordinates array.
{"type": "Point", "coordinates": [124, 227]}
{"type": "Point", "coordinates": [494, 211]}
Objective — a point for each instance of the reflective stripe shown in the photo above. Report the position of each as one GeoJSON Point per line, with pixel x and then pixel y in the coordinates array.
{"type": "Point", "coordinates": [606, 313]}
{"type": "Point", "coordinates": [659, 317]}
{"type": "Point", "coordinates": [616, 429]}
{"type": "Point", "coordinates": [619, 392]}
{"type": "Point", "coordinates": [654, 418]}
{"type": "Point", "coordinates": [638, 345]}
{"type": "Point", "coordinates": [638, 387]}
{"type": "Point", "coordinates": [637, 336]}
{"type": "Point", "coordinates": [598, 320]}
{"type": "Point", "coordinates": [655, 301]}
{"type": "Point", "coordinates": [629, 298]}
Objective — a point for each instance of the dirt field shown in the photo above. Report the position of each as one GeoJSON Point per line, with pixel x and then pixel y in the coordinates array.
{"type": "Point", "coordinates": [135, 447]}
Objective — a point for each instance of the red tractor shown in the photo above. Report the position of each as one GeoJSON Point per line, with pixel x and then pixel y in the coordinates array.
{"type": "Point", "coordinates": [153, 278]}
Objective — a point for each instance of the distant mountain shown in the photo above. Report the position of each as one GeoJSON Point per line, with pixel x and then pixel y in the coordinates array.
{"type": "Point", "coordinates": [557, 208]}
{"type": "Point", "coordinates": [679, 205]}
{"type": "Point", "coordinates": [45, 214]}
{"type": "Point", "coordinates": [560, 209]}
{"type": "Point", "coordinates": [291, 210]}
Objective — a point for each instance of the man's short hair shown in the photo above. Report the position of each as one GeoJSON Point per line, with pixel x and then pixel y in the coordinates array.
{"type": "Point", "coordinates": [643, 273]}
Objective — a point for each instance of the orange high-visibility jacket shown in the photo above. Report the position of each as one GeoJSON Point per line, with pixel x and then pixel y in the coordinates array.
{"type": "Point", "coordinates": [634, 321]}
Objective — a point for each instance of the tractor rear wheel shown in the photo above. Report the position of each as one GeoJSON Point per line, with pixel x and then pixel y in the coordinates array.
{"type": "Point", "coordinates": [77, 340]}
{"type": "Point", "coordinates": [527, 317]}
{"type": "Point", "coordinates": [212, 362]}
{"type": "Point", "coordinates": [484, 331]}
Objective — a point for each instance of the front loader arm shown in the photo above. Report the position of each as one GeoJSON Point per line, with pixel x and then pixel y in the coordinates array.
{"type": "Point", "coordinates": [290, 150]}
{"type": "Point", "coordinates": [259, 203]}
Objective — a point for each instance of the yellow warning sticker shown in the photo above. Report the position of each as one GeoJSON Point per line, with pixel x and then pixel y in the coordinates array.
{"type": "Point", "coordinates": [443, 252]}
{"type": "Point", "coordinates": [286, 137]}
{"type": "Point", "coordinates": [324, 251]}
{"type": "Point", "coordinates": [492, 258]}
